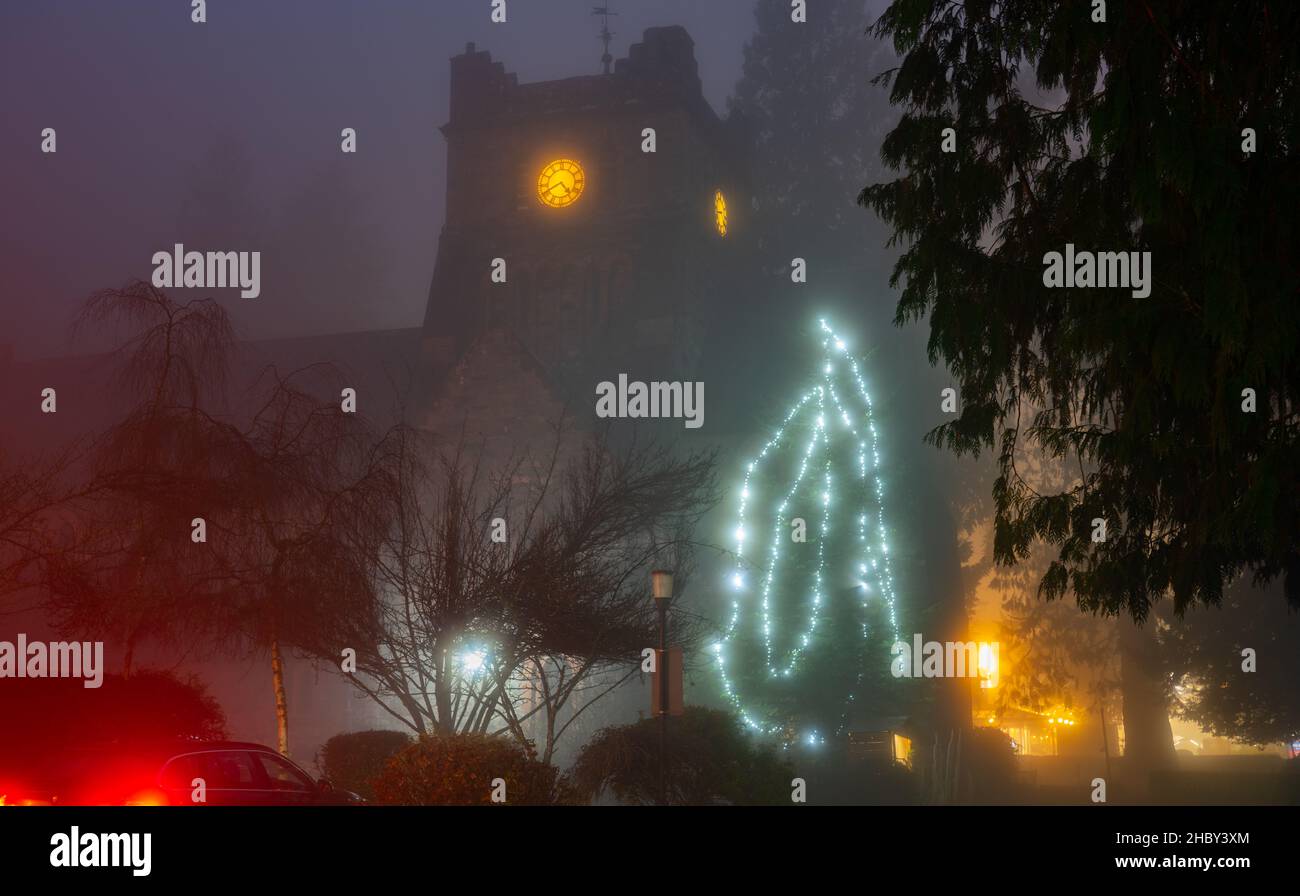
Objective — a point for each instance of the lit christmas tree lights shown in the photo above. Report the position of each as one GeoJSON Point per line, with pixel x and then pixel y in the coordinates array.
{"type": "Point", "coordinates": [836, 415]}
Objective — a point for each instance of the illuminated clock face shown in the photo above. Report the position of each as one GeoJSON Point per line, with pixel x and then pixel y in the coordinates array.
{"type": "Point", "coordinates": [560, 183]}
{"type": "Point", "coordinates": [720, 212]}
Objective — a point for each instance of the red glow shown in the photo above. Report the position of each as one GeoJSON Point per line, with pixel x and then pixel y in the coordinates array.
{"type": "Point", "coordinates": [151, 796]}
{"type": "Point", "coordinates": [11, 795]}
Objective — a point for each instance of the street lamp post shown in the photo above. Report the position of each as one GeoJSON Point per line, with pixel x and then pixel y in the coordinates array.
{"type": "Point", "coordinates": [662, 587]}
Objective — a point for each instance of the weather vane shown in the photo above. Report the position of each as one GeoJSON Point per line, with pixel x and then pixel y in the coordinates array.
{"type": "Point", "coordinates": [605, 34]}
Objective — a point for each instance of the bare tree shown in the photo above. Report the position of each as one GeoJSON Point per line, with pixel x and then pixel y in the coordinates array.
{"type": "Point", "coordinates": [508, 601]}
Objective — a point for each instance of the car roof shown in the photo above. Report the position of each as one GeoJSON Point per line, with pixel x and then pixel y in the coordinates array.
{"type": "Point", "coordinates": [221, 745]}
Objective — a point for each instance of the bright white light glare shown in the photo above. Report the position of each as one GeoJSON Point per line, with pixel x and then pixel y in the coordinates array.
{"type": "Point", "coordinates": [737, 581]}
{"type": "Point", "coordinates": [472, 661]}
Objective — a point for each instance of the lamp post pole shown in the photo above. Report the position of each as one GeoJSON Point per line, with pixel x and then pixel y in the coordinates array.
{"type": "Point", "coordinates": [662, 587]}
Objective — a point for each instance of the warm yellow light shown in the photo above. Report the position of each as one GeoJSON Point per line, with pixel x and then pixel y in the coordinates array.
{"type": "Point", "coordinates": [903, 750]}
{"type": "Point", "coordinates": [561, 183]}
{"type": "Point", "coordinates": [988, 666]}
{"type": "Point", "coordinates": [720, 212]}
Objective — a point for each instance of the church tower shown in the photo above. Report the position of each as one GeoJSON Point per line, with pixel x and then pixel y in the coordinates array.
{"type": "Point", "coordinates": [598, 221]}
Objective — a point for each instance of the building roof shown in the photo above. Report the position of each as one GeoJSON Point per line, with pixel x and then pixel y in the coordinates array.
{"type": "Point", "coordinates": [659, 71]}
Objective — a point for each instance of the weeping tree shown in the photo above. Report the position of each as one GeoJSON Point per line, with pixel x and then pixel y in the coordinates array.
{"type": "Point", "coordinates": [192, 525]}
{"type": "Point", "coordinates": [125, 569]}
{"type": "Point", "coordinates": [296, 470]}
{"type": "Point", "coordinates": [508, 601]}
{"type": "Point", "coordinates": [34, 492]}
{"type": "Point", "coordinates": [1177, 409]}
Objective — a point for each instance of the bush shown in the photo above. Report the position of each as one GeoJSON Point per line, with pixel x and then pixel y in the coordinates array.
{"type": "Point", "coordinates": [352, 761]}
{"type": "Point", "coordinates": [837, 779]}
{"type": "Point", "coordinates": [458, 770]}
{"type": "Point", "coordinates": [992, 767]}
{"type": "Point", "coordinates": [712, 761]}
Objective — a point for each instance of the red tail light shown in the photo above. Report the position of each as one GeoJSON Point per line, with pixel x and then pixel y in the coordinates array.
{"type": "Point", "coordinates": [151, 796]}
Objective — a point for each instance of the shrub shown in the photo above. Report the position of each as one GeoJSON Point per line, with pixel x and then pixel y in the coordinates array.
{"type": "Point", "coordinates": [712, 760]}
{"type": "Point", "coordinates": [352, 761]}
{"type": "Point", "coordinates": [992, 767]}
{"type": "Point", "coordinates": [836, 778]}
{"type": "Point", "coordinates": [458, 770]}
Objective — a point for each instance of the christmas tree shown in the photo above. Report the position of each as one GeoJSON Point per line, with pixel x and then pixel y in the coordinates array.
{"type": "Point", "coordinates": [814, 610]}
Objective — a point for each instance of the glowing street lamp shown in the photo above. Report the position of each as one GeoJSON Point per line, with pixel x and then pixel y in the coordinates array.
{"type": "Point", "coordinates": [472, 660]}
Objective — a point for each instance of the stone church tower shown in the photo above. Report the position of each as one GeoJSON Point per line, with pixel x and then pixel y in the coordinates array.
{"type": "Point", "coordinates": [612, 259]}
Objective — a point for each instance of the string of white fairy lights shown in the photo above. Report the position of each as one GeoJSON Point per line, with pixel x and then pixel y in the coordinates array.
{"type": "Point", "coordinates": [873, 565]}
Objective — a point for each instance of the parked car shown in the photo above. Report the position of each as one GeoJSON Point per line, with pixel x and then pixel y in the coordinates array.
{"type": "Point", "coordinates": [167, 773]}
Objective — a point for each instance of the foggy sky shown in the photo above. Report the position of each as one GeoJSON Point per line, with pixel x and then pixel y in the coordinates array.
{"type": "Point", "coordinates": [145, 103]}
